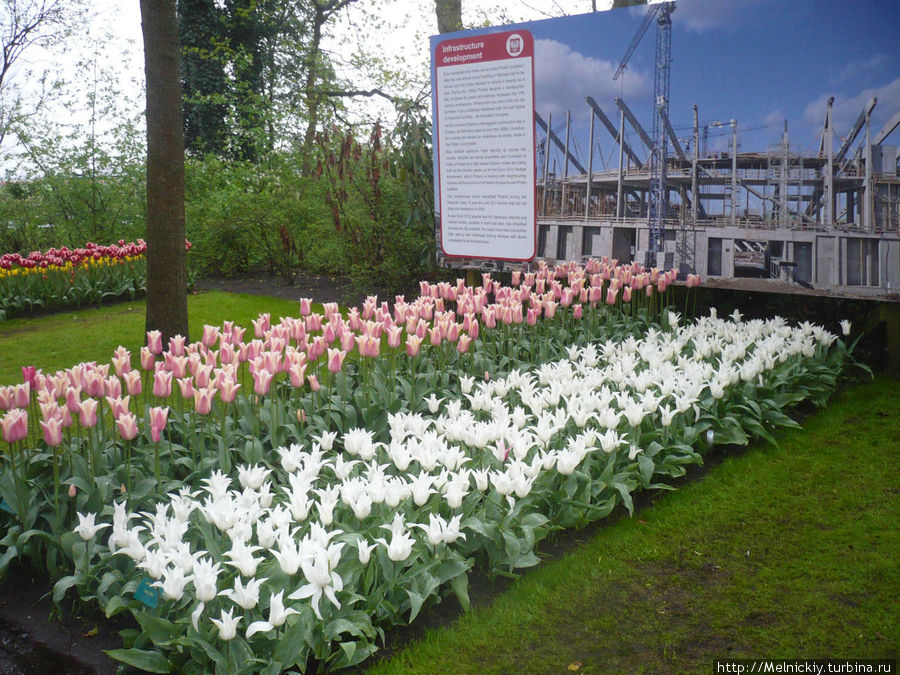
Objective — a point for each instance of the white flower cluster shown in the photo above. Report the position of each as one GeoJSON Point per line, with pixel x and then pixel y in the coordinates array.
{"type": "Point", "coordinates": [313, 505]}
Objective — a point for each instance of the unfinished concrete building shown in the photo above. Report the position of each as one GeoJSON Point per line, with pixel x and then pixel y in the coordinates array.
{"type": "Point", "coordinates": [826, 220]}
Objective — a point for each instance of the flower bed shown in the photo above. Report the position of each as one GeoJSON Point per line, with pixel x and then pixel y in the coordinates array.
{"type": "Point", "coordinates": [265, 531]}
{"type": "Point", "coordinates": [62, 277]}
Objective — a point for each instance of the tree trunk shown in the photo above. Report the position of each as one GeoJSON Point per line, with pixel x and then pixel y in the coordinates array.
{"type": "Point", "coordinates": [166, 256]}
{"type": "Point", "coordinates": [449, 15]}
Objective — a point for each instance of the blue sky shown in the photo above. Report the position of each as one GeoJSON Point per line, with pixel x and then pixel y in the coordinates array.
{"type": "Point", "coordinates": [759, 61]}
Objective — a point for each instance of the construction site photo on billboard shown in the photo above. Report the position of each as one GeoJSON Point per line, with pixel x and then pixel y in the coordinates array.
{"type": "Point", "coordinates": [752, 142]}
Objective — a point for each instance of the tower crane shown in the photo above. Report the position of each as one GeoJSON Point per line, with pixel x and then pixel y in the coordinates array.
{"type": "Point", "coordinates": [662, 12]}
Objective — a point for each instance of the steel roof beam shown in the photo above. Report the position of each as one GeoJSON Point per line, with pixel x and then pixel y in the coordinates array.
{"type": "Point", "coordinates": [854, 132]}
{"type": "Point", "coordinates": [543, 125]}
{"type": "Point", "coordinates": [887, 129]}
{"type": "Point", "coordinates": [671, 132]}
{"type": "Point", "coordinates": [632, 120]}
{"type": "Point", "coordinates": [612, 130]}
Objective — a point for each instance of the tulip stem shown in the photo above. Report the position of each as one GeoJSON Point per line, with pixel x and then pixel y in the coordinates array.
{"type": "Point", "coordinates": [156, 465]}
{"type": "Point", "coordinates": [56, 483]}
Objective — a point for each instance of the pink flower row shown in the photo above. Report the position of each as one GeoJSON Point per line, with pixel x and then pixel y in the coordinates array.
{"type": "Point", "coordinates": [210, 367]}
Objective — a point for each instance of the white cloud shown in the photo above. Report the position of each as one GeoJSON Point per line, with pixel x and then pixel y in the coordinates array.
{"type": "Point", "coordinates": [775, 118]}
{"type": "Point", "coordinates": [564, 77]}
{"type": "Point", "coordinates": [698, 16]}
{"type": "Point", "coordinates": [846, 109]}
{"type": "Point", "coordinates": [862, 67]}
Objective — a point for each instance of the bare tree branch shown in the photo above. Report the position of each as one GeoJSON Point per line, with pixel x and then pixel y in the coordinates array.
{"type": "Point", "coordinates": [360, 92]}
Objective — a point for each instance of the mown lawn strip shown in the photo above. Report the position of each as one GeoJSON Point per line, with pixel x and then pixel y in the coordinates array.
{"type": "Point", "coordinates": [787, 552]}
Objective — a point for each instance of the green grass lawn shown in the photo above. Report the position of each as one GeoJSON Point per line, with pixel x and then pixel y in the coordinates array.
{"type": "Point", "coordinates": [774, 553]}
{"type": "Point", "coordinates": [62, 340]}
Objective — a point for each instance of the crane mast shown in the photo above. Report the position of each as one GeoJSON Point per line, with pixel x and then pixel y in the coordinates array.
{"type": "Point", "coordinates": [658, 192]}
{"type": "Point", "coordinates": [662, 12]}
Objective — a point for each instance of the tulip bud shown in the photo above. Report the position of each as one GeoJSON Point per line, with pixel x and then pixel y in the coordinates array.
{"type": "Point", "coordinates": [73, 491]}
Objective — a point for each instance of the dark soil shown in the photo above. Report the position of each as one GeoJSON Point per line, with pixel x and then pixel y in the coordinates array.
{"type": "Point", "coordinates": [35, 637]}
{"type": "Point", "coordinates": [319, 289]}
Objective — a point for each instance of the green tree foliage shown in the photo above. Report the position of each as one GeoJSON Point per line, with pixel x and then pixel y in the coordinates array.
{"type": "Point", "coordinates": [78, 175]}
{"type": "Point", "coordinates": [204, 59]}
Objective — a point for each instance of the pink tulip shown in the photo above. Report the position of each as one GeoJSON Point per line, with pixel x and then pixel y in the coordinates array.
{"type": "Point", "coordinates": [127, 426]}
{"type": "Point", "coordinates": [577, 311]}
{"type": "Point", "coordinates": [73, 399]}
{"type": "Point", "coordinates": [28, 375]}
{"type": "Point", "coordinates": [412, 345]}
{"type": "Point", "coordinates": [435, 336]}
{"type": "Point", "coordinates": [87, 413]}
{"type": "Point", "coordinates": [22, 395]}
{"type": "Point", "coordinates": [314, 323]}
{"type": "Point", "coordinates": [162, 383]}
{"type": "Point", "coordinates": [611, 295]}
{"type": "Point", "coordinates": [473, 329]}
{"type": "Point", "coordinates": [228, 389]}
{"type": "Point", "coordinates": [301, 416]}
{"type": "Point", "coordinates": [122, 363]}
{"type": "Point", "coordinates": [203, 399]}
{"type": "Point", "coordinates": [336, 359]}
{"type": "Point", "coordinates": [347, 340]}
{"type": "Point", "coordinates": [203, 375]}
{"type": "Point", "coordinates": [330, 309]}
{"type": "Point", "coordinates": [462, 346]}
{"type": "Point", "coordinates": [113, 386]}
{"type": "Point", "coordinates": [147, 359]}
{"type": "Point", "coordinates": [158, 419]}
{"type": "Point", "coordinates": [237, 335]}
{"type": "Point", "coordinates": [626, 294]}
{"type": "Point", "coordinates": [305, 306]}
{"type": "Point", "coordinates": [179, 366]}
{"type": "Point", "coordinates": [262, 381]}
{"type": "Point", "coordinates": [421, 329]}
{"type": "Point", "coordinates": [262, 324]}
{"type": "Point", "coordinates": [395, 334]}
{"type": "Point", "coordinates": [210, 335]}
{"type": "Point", "coordinates": [453, 331]}
{"type": "Point", "coordinates": [15, 425]}
{"type": "Point", "coordinates": [227, 354]}
{"type": "Point", "coordinates": [297, 373]}
{"type": "Point", "coordinates": [118, 406]}
{"type": "Point", "coordinates": [186, 385]}
{"type": "Point", "coordinates": [313, 383]}
{"type": "Point", "coordinates": [154, 342]}
{"type": "Point", "coordinates": [7, 395]}
{"type": "Point", "coordinates": [550, 309]}
{"type": "Point", "coordinates": [52, 431]}
{"type": "Point", "coordinates": [661, 286]}
{"type": "Point", "coordinates": [176, 345]}
{"type": "Point", "coordinates": [489, 318]}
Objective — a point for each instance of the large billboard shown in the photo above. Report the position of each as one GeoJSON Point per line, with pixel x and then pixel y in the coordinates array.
{"type": "Point", "coordinates": [484, 102]}
{"type": "Point", "coordinates": [660, 133]}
